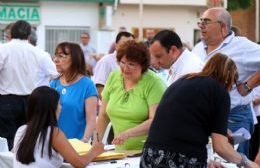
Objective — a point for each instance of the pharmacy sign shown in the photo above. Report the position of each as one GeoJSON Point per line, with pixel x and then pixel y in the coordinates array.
{"type": "Point", "coordinates": [13, 12]}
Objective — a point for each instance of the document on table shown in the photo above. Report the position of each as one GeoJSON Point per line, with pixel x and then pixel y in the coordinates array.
{"type": "Point", "coordinates": [82, 148]}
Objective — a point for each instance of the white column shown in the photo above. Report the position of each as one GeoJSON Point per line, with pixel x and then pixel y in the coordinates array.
{"type": "Point", "coordinates": [141, 20]}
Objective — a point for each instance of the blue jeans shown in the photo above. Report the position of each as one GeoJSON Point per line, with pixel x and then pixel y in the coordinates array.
{"type": "Point", "coordinates": [241, 116]}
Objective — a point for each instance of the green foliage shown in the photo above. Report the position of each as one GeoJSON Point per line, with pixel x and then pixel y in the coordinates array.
{"type": "Point", "coordinates": [239, 4]}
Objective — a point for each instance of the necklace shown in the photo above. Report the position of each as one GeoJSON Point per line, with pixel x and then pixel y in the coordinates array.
{"type": "Point", "coordinates": [63, 91]}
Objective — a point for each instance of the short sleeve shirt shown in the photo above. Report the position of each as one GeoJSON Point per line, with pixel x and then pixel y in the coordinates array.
{"type": "Point", "coordinates": [72, 119]}
{"type": "Point", "coordinates": [190, 110]}
{"type": "Point", "coordinates": [128, 109]}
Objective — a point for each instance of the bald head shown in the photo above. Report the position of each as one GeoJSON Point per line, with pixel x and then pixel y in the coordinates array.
{"type": "Point", "coordinates": [222, 15]}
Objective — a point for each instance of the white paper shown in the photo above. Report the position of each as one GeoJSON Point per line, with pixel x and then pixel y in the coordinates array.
{"type": "Point", "coordinates": [240, 135]}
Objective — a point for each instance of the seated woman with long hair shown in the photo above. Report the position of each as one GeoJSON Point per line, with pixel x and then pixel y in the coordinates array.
{"type": "Point", "coordinates": [40, 143]}
{"type": "Point", "coordinates": [192, 109]}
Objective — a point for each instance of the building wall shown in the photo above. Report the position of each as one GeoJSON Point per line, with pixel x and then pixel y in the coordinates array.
{"type": "Point", "coordinates": [167, 2]}
{"type": "Point", "coordinates": [68, 14]}
{"type": "Point", "coordinates": [245, 20]}
{"type": "Point", "coordinates": [182, 18]}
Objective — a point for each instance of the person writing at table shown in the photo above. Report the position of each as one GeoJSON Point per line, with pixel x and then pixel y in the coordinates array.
{"type": "Point", "coordinates": [77, 91]}
{"type": "Point", "coordinates": [130, 97]}
{"type": "Point", "coordinates": [193, 108]}
{"type": "Point", "coordinates": [40, 143]}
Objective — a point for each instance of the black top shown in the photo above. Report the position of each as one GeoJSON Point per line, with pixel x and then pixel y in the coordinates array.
{"type": "Point", "coordinates": [190, 110]}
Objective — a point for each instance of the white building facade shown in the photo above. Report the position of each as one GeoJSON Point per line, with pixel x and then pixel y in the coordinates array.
{"type": "Point", "coordinates": [180, 15]}
{"type": "Point", "coordinates": [55, 21]}
{"type": "Point", "coordinates": [65, 20]}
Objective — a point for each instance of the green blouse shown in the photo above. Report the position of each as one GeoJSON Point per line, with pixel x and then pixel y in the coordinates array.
{"type": "Point", "coordinates": [127, 109]}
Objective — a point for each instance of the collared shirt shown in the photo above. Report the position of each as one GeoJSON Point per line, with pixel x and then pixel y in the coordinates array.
{"type": "Point", "coordinates": [88, 54]}
{"type": "Point", "coordinates": [47, 69]}
{"type": "Point", "coordinates": [19, 63]}
{"type": "Point", "coordinates": [246, 55]}
{"type": "Point", "coordinates": [104, 67]}
{"type": "Point", "coordinates": [186, 63]}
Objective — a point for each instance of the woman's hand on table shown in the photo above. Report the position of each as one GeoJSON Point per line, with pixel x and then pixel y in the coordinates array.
{"type": "Point", "coordinates": [120, 138]}
{"type": "Point", "coordinates": [98, 148]}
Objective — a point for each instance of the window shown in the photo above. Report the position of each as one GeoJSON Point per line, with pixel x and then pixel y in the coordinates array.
{"type": "Point", "coordinates": [57, 34]}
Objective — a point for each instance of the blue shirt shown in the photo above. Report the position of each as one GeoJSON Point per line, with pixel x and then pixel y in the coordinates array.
{"type": "Point", "coordinates": [72, 119]}
{"type": "Point", "coordinates": [246, 55]}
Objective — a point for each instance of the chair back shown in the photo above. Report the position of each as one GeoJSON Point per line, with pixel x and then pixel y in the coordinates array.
{"type": "Point", "coordinates": [3, 145]}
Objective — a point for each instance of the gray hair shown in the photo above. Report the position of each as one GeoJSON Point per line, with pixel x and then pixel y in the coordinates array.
{"type": "Point", "coordinates": [224, 17]}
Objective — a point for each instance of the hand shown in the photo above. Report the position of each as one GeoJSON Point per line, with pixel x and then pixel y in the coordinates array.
{"type": "Point", "coordinates": [120, 138]}
{"type": "Point", "coordinates": [214, 164]}
{"type": "Point", "coordinates": [98, 148]}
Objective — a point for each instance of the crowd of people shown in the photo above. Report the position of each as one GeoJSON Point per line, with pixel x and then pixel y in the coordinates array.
{"type": "Point", "coordinates": [208, 92]}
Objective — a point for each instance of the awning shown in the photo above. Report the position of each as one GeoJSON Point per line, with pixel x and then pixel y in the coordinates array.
{"type": "Point", "coordinates": [87, 1]}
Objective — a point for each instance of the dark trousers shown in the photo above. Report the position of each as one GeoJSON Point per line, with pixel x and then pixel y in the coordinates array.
{"type": "Point", "coordinates": [255, 140]}
{"type": "Point", "coordinates": [12, 116]}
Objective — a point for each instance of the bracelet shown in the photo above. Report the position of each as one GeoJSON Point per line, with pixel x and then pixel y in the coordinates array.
{"type": "Point", "coordinates": [243, 162]}
{"type": "Point", "coordinates": [85, 139]}
{"type": "Point", "coordinates": [246, 87]}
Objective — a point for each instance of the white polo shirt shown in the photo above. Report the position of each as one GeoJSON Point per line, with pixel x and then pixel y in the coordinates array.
{"type": "Point", "coordinates": [47, 69]}
{"type": "Point", "coordinates": [19, 64]}
{"type": "Point", "coordinates": [104, 67]}
{"type": "Point", "coordinates": [186, 63]}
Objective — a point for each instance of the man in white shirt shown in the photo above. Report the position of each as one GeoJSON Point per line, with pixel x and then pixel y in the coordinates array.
{"type": "Point", "coordinates": [18, 73]}
{"type": "Point", "coordinates": [47, 69]}
{"type": "Point", "coordinates": [217, 37]}
{"type": "Point", "coordinates": [89, 52]}
{"type": "Point", "coordinates": [108, 63]}
{"type": "Point", "coordinates": [168, 52]}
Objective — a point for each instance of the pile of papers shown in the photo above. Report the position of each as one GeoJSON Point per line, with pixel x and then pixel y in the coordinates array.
{"type": "Point", "coordinates": [83, 148]}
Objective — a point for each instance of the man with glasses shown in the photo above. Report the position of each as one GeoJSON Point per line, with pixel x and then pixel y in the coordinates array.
{"type": "Point", "coordinates": [217, 37]}
{"type": "Point", "coordinates": [168, 52]}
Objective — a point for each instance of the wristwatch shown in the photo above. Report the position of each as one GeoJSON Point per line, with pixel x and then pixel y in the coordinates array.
{"type": "Point", "coordinates": [246, 87]}
{"type": "Point", "coordinates": [243, 162]}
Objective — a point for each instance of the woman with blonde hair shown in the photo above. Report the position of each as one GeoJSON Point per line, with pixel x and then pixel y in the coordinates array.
{"type": "Point", "coordinates": [193, 108]}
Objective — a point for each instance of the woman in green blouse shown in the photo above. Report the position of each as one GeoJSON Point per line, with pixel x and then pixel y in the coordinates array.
{"type": "Point", "coordinates": [130, 97]}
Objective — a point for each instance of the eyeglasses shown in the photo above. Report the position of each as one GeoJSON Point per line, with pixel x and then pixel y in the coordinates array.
{"type": "Point", "coordinates": [60, 56]}
{"type": "Point", "coordinates": [205, 22]}
{"type": "Point", "coordinates": [129, 65]}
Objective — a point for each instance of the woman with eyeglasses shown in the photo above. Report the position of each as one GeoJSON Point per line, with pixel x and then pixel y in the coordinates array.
{"type": "Point", "coordinates": [130, 97]}
{"type": "Point", "coordinates": [193, 108]}
{"type": "Point", "coordinates": [40, 143]}
{"type": "Point", "coordinates": [78, 93]}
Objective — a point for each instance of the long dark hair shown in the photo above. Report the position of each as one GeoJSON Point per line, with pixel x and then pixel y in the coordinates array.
{"type": "Point", "coordinates": [221, 68]}
{"type": "Point", "coordinates": [41, 114]}
{"type": "Point", "coordinates": [78, 65]}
